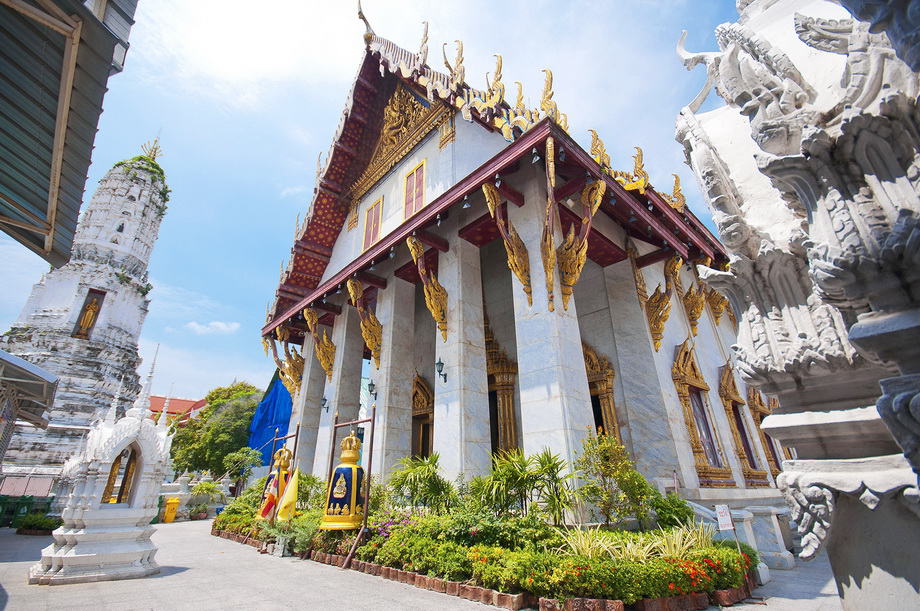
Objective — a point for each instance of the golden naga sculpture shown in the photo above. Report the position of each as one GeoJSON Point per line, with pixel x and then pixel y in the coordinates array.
{"type": "Point", "coordinates": [435, 294]}
{"type": "Point", "coordinates": [371, 329]}
{"type": "Point", "coordinates": [637, 180]}
{"type": "Point", "coordinates": [547, 246]}
{"type": "Point", "coordinates": [694, 302]}
{"type": "Point", "coordinates": [657, 311]}
{"type": "Point", "coordinates": [717, 303]}
{"type": "Point", "coordinates": [573, 252]}
{"type": "Point", "coordinates": [549, 106]}
{"type": "Point", "coordinates": [599, 151]}
{"type": "Point", "coordinates": [322, 346]}
{"type": "Point", "coordinates": [672, 274]}
{"type": "Point", "coordinates": [676, 199]}
{"type": "Point", "coordinates": [518, 116]}
{"type": "Point", "coordinates": [457, 71]}
{"type": "Point", "coordinates": [638, 276]}
{"type": "Point", "coordinates": [495, 91]}
{"type": "Point", "coordinates": [518, 259]}
{"type": "Point", "coordinates": [290, 369]}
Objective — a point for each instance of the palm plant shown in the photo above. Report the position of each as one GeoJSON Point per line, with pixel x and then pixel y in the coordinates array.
{"type": "Point", "coordinates": [552, 483]}
{"type": "Point", "coordinates": [418, 479]}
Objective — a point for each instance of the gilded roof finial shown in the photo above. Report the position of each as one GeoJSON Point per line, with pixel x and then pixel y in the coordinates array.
{"type": "Point", "coordinates": [457, 71]}
{"type": "Point", "coordinates": [369, 31]}
{"type": "Point", "coordinates": [422, 57]}
{"type": "Point", "coordinates": [152, 149]}
{"type": "Point", "coordinates": [519, 107]}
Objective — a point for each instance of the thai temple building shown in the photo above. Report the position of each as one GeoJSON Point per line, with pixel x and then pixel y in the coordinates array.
{"type": "Point", "coordinates": [507, 288]}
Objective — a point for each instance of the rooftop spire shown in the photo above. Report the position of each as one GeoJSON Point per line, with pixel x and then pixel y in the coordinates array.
{"type": "Point", "coordinates": [143, 399]}
{"type": "Point", "coordinates": [112, 414]}
{"type": "Point", "coordinates": [369, 31]}
{"type": "Point", "coordinates": [152, 149]}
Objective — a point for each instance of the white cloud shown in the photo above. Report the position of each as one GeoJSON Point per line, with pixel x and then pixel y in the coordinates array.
{"type": "Point", "coordinates": [215, 327]}
{"type": "Point", "coordinates": [192, 373]}
{"type": "Point", "coordinates": [295, 190]}
{"type": "Point", "coordinates": [21, 268]}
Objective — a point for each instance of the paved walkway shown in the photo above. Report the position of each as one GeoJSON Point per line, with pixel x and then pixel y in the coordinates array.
{"type": "Point", "coordinates": [201, 572]}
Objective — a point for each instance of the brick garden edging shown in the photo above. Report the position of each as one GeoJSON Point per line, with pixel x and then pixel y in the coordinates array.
{"type": "Point", "coordinates": [524, 600]}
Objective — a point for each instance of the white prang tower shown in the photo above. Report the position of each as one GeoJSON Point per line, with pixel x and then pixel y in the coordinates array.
{"type": "Point", "coordinates": [82, 321]}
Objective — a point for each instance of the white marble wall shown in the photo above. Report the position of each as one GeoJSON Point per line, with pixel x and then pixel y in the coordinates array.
{"type": "Point", "coordinates": [307, 408]}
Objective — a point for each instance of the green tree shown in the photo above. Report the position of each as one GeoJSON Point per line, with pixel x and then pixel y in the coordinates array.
{"type": "Point", "coordinates": [222, 428]}
{"type": "Point", "coordinates": [239, 464]}
{"type": "Point", "coordinates": [611, 482]}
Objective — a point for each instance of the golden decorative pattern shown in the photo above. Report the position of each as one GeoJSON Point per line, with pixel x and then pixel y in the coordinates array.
{"type": "Point", "coordinates": [518, 259]}
{"type": "Point", "coordinates": [405, 122]}
{"type": "Point", "coordinates": [728, 393]}
{"type": "Point", "coordinates": [672, 274]}
{"type": "Point", "coordinates": [495, 92]}
{"type": "Point", "coordinates": [371, 329]}
{"type": "Point", "coordinates": [686, 374]}
{"type": "Point", "coordinates": [638, 276]}
{"type": "Point", "coordinates": [549, 106]}
{"type": "Point", "coordinates": [759, 411]}
{"type": "Point", "coordinates": [457, 72]}
{"type": "Point", "coordinates": [694, 302]}
{"type": "Point", "coordinates": [676, 199]}
{"type": "Point", "coordinates": [518, 116]}
{"type": "Point", "coordinates": [637, 180]}
{"type": "Point", "coordinates": [290, 368]}
{"type": "Point", "coordinates": [547, 245]}
{"type": "Point", "coordinates": [435, 294]}
{"type": "Point", "coordinates": [717, 303]}
{"type": "Point", "coordinates": [322, 346]}
{"type": "Point", "coordinates": [599, 151]}
{"type": "Point", "coordinates": [657, 311]}
{"type": "Point", "coordinates": [422, 397]}
{"type": "Point", "coordinates": [448, 133]}
{"type": "Point", "coordinates": [600, 384]}
{"type": "Point", "coordinates": [502, 374]}
{"type": "Point", "coordinates": [573, 252]}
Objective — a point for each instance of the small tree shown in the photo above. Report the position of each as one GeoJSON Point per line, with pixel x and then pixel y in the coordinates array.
{"type": "Point", "coordinates": [418, 480]}
{"type": "Point", "coordinates": [611, 482]}
{"type": "Point", "coordinates": [239, 464]}
{"type": "Point", "coordinates": [552, 483]}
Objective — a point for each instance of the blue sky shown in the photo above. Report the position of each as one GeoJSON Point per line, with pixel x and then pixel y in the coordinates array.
{"type": "Point", "coordinates": [244, 96]}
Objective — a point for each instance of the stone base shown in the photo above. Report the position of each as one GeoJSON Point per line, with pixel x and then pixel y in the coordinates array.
{"type": "Point", "coordinates": [40, 575]}
{"type": "Point", "coordinates": [783, 561]}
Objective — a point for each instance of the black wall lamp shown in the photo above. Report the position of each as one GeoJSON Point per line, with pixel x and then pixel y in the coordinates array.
{"type": "Point", "coordinates": [439, 367]}
{"type": "Point", "coordinates": [372, 389]}
{"type": "Point", "coordinates": [325, 405]}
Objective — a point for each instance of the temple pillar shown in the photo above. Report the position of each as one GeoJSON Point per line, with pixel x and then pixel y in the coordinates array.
{"type": "Point", "coordinates": [343, 391]}
{"type": "Point", "coordinates": [649, 423]}
{"type": "Point", "coordinates": [396, 313]}
{"type": "Point", "coordinates": [306, 408]}
{"type": "Point", "coordinates": [555, 399]}
{"type": "Point", "coordinates": [461, 403]}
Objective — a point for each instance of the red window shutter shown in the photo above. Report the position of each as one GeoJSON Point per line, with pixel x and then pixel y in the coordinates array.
{"type": "Point", "coordinates": [419, 188]}
{"type": "Point", "coordinates": [410, 196]}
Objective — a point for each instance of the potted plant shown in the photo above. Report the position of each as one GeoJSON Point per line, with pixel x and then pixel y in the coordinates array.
{"type": "Point", "coordinates": [198, 512]}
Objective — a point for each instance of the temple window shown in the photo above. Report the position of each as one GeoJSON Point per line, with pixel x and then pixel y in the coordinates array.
{"type": "Point", "coordinates": [502, 375]}
{"type": "Point", "coordinates": [415, 190]}
{"type": "Point", "coordinates": [733, 403]}
{"type": "Point", "coordinates": [372, 224]}
{"type": "Point", "coordinates": [691, 389]}
{"type": "Point", "coordinates": [600, 385]}
{"type": "Point", "coordinates": [422, 418]}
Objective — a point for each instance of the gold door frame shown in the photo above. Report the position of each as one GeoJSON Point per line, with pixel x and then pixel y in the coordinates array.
{"type": "Point", "coordinates": [728, 393]}
{"type": "Point", "coordinates": [422, 410]}
{"type": "Point", "coordinates": [600, 383]}
{"type": "Point", "coordinates": [686, 374]}
{"type": "Point", "coordinates": [760, 410]}
{"type": "Point", "coordinates": [502, 374]}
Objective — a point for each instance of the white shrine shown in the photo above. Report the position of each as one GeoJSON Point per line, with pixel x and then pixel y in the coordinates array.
{"type": "Point", "coordinates": [82, 321]}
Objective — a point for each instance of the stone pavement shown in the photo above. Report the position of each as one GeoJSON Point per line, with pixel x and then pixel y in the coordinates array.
{"type": "Point", "coordinates": [202, 572]}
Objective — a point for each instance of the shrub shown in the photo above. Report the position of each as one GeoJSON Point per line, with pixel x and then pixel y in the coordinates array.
{"type": "Point", "coordinates": [491, 569]}
{"type": "Point", "coordinates": [726, 566]}
{"type": "Point", "coordinates": [481, 527]}
{"type": "Point", "coordinates": [612, 483]}
{"type": "Point", "coordinates": [671, 509]}
{"type": "Point", "coordinates": [585, 542]}
{"type": "Point", "coordinates": [36, 521]}
{"type": "Point", "coordinates": [417, 480]}
{"type": "Point", "coordinates": [210, 490]}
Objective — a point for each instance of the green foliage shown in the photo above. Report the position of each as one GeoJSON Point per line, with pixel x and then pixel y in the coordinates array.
{"type": "Point", "coordinates": [239, 515]}
{"type": "Point", "coordinates": [208, 489]}
{"type": "Point", "coordinates": [585, 542]}
{"type": "Point", "coordinates": [142, 162]}
{"type": "Point", "coordinates": [554, 491]}
{"type": "Point", "coordinates": [411, 550]}
{"type": "Point", "coordinates": [239, 463]}
{"type": "Point", "coordinates": [724, 564]}
{"type": "Point", "coordinates": [311, 492]}
{"type": "Point", "coordinates": [200, 508]}
{"type": "Point", "coordinates": [471, 527]}
{"type": "Point", "coordinates": [418, 482]}
{"type": "Point", "coordinates": [36, 521]}
{"type": "Point", "coordinates": [222, 428]}
{"type": "Point", "coordinates": [612, 483]}
{"type": "Point", "coordinates": [671, 509]}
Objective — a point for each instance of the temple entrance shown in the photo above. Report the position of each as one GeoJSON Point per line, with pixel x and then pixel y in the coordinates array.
{"type": "Point", "coordinates": [422, 418]}
{"type": "Point", "coordinates": [600, 385]}
{"type": "Point", "coordinates": [121, 477]}
{"type": "Point", "coordinates": [502, 373]}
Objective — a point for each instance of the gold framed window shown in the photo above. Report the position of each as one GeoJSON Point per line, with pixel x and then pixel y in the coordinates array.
{"type": "Point", "coordinates": [372, 220]}
{"type": "Point", "coordinates": [414, 188]}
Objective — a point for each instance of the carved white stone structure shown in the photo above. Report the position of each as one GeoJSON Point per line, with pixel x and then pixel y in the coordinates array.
{"type": "Point", "coordinates": [812, 170]}
{"type": "Point", "coordinates": [115, 488]}
{"type": "Point", "coordinates": [82, 320]}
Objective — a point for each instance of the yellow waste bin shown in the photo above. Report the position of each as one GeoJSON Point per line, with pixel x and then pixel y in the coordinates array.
{"type": "Point", "coordinates": [172, 506]}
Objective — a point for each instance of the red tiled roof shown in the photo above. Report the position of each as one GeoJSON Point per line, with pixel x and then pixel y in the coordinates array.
{"type": "Point", "coordinates": [176, 405]}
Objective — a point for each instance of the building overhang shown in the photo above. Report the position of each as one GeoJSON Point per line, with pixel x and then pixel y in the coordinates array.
{"type": "Point", "coordinates": [647, 217]}
{"type": "Point", "coordinates": [57, 57]}
{"type": "Point", "coordinates": [33, 388]}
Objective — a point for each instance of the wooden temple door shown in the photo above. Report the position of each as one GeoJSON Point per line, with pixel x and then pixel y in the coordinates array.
{"type": "Point", "coordinates": [422, 418]}
{"type": "Point", "coordinates": [502, 374]}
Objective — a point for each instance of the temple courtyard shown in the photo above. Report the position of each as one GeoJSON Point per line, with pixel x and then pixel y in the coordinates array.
{"type": "Point", "coordinates": [200, 571]}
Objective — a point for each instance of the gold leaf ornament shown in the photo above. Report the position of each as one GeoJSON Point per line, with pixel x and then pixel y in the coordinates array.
{"type": "Point", "coordinates": [371, 329]}
{"type": "Point", "coordinates": [435, 294]}
{"type": "Point", "coordinates": [517, 256]}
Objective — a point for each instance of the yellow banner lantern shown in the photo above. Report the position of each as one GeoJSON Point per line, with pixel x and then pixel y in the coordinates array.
{"type": "Point", "coordinates": [344, 498]}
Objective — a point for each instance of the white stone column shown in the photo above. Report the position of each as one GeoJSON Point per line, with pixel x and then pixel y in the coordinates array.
{"type": "Point", "coordinates": [461, 404]}
{"type": "Point", "coordinates": [555, 399]}
{"type": "Point", "coordinates": [306, 409]}
{"type": "Point", "coordinates": [343, 391]}
{"type": "Point", "coordinates": [393, 434]}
